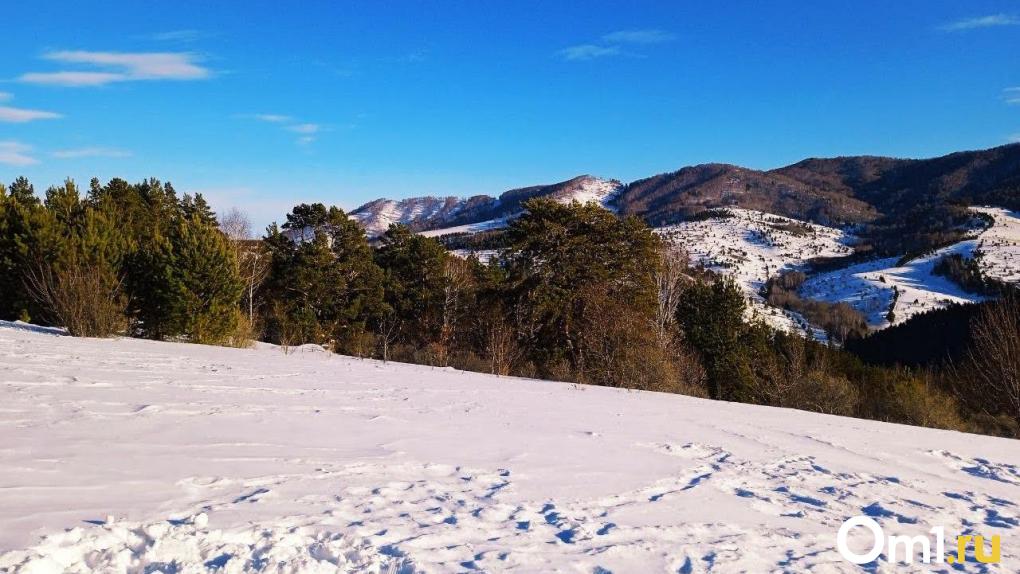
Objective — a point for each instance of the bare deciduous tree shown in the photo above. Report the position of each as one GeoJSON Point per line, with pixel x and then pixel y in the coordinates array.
{"type": "Point", "coordinates": [670, 279]}
{"type": "Point", "coordinates": [236, 225]}
{"type": "Point", "coordinates": [457, 279]}
{"type": "Point", "coordinates": [501, 343]}
{"type": "Point", "coordinates": [387, 333]}
{"type": "Point", "coordinates": [995, 356]}
{"type": "Point", "coordinates": [87, 301]}
{"type": "Point", "coordinates": [252, 261]}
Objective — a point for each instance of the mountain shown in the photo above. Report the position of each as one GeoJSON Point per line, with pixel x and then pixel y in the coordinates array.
{"type": "Point", "coordinates": [911, 200]}
{"type": "Point", "coordinates": [432, 213]}
{"type": "Point", "coordinates": [835, 191]}
{"type": "Point", "coordinates": [670, 197]}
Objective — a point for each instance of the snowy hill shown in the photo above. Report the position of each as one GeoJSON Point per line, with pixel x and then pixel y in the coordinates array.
{"type": "Point", "coordinates": [869, 286]}
{"type": "Point", "coordinates": [139, 456]}
{"type": "Point", "coordinates": [450, 215]}
{"type": "Point", "coordinates": [752, 246]}
{"type": "Point", "coordinates": [378, 215]}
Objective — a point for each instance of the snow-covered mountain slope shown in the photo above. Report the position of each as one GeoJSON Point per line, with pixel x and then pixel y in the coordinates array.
{"type": "Point", "coordinates": [452, 215]}
{"type": "Point", "coordinates": [869, 287]}
{"type": "Point", "coordinates": [139, 456]}
{"type": "Point", "coordinates": [998, 247]}
{"type": "Point", "coordinates": [752, 246]}
{"type": "Point", "coordinates": [378, 215]}
{"type": "Point", "coordinates": [467, 228]}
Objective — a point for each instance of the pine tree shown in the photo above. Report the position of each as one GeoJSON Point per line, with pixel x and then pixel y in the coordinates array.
{"type": "Point", "coordinates": [566, 261]}
{"type": "Point", "coordinates": [21, 218]}
{"type": "Point", "coordinates": [415, 280]}
{"type": "Point", "coordinates": [325, 287]}
{"type": "Point", "coordinates": [197, 208]}
{"type": "Point", "coordinates": [187, 284]}
{"type": "Point", "coordinates": [712, 319]}
{"type": "Point", "coordinates": [23, 191]}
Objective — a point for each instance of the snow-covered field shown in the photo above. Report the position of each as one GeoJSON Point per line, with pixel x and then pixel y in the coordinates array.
{"type": "Point", "coordinates": [869, 286]}
{"type": "Point", "coordinates": [752, 246]}
{"type": "Point", "coordinates": [139, 456]}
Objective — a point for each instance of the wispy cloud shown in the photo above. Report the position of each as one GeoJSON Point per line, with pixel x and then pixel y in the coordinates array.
{"type": "Point", "coordinates": [10, 114]}
{"type": "Point", "coordinates": [119, 67]}
{"type": "Point", "coordinates": [647, 36]}
{"type": "Point", "coordinates": [16, 153]}
{"type": "Point", "coordinates": [21, 115]}
{"type": "Point", "coordinates": [90, 152]}
{"type": "Point", "coordinates": [1011, 96]}
{"type": "Point", "coordinates": [588, 52]}
{"type": "Point", "coordinates": [273, 118]}
{"type": "Point", "coordinates": [180, 36]}
{"type": "Point", "coordinates": [305, 128]}
{"type": "Point", "coordinates": [991, 21]}
{"type": "Point", "coordinates": [1015, 138]}
{"type": "Point", "coordinates": [613, 43]}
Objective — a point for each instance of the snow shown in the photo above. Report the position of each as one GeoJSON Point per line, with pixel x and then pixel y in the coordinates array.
{"type": "Point", "coordinates": [590, 190]}
{"type": "Point", "coordinates": [376, 217]}
{"type": "Point", "coordinates": [752, 246]}
{"type": "Point", "coordinates": [869, 286]}
{"type": "Point", "coordinates": [593, 190]}
{"type": "Point", "coordinates": [139, 456]}
{"type": "Point", "coordinates": [468, 228]}
{"type": "Point", "coordinates": [999, 245]}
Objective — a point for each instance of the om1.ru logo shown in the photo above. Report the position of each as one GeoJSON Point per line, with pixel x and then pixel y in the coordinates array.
{"type": "Point", "coordinates": [910, 545]}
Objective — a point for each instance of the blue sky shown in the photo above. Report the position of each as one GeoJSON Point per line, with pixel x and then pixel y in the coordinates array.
{"type": "Point", "coordinates": [262, 106]}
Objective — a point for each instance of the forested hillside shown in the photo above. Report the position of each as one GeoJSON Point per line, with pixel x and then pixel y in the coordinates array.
{"type": "Point", "coordinates": [576, 294]}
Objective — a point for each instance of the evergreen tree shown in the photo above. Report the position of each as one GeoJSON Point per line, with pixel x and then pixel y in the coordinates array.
{"type": "Point", "coordinates": [565, 261]}
{"type": "Point", "coordinates": [21, 220]}
{"type": "Point", "coordinates": [197, 208]}
{"type": "Point", "coordinates": [415, 281]}
{"type": "Point", "coordinates": [712, 319]}
{"type": "Point", "coordinates": [324, 287]}
{"type": "Point", "coordinates": [23, 191]}
{"type": "Point", "coordinates": [187, 284]}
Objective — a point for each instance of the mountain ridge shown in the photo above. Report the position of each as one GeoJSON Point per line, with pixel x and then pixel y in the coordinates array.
{"type": "Point", "coordinates": [842, 190]}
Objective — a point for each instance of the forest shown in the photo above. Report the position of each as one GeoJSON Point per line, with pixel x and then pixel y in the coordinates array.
{"type": "Point", "coordinates": [575, 294]}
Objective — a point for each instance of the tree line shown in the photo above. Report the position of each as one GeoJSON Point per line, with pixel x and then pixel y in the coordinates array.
{"type": "Point", "coordinates": [575, 294]}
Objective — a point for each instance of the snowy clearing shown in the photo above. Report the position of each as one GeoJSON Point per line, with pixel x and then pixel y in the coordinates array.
{"type": "Point", "coordinates": [752, 246]}
{"type": "Point", "coordinates": [139, 456]}
{"type": "Point", "coordinates": [868, 287]}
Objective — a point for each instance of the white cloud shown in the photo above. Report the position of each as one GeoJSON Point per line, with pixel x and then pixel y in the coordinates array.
{"type": "Point", "coordinates": [16, 153]}
{"type": "Point", "coordinates": [991, 21]}
{"type": "Point", "coordinates": [273, 118]}
{"type": "Point", "coordinates": [588, 52]}
{"type": "Point", "coordinates": [14, 115]}
{"type": "Point", "coordinates": [119, 67]}
{"type": "Point", "coordinates": [611, 44]}
{"type": "Point", "coordinates": [90, 152]}
{"type": "Point", "coordinates": [307, 130]}
{"type": "Point", "coordinates": [648, 36]}
{"type": "Point", "coordinates": [22, 115]}
{"type": "Point", "coordinates": [71, 79]}
{"type": "Point", "coordinates": [1011, 96]}
{"type": "Point", "coordinates": [304, 128]}
{"type": "Point", "coordinates": [179, 36]}
{"type": "Point", "coordinates": [1015, 138]}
